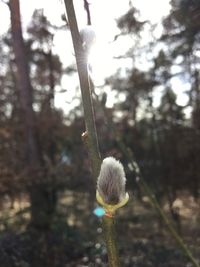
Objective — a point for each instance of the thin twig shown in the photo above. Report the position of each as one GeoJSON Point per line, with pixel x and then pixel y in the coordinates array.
{"type": "Point", "coordinates": [5, 2]}
{"type": "Point", "coordinates": [156, 205]}
{"type": "Point", "coordinates": [91, 136]}
{"type": "Point", "coordinates": [81, 60]}
{"type": "Point", "coordinates": [87, 9]}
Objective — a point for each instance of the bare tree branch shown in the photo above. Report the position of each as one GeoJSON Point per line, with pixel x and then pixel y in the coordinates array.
{"type": "Point", "coordinates": [87, 9]}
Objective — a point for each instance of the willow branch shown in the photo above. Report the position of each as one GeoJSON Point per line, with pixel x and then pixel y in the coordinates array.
{"type": "Point", "coordinates": [81, 60]}
{"type": "Point", "coordinates": [91, 134]}
{"type": "Point", "coordinates": [154, 202]}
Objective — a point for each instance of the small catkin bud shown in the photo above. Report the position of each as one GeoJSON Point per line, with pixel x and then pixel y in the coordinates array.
{"type": "Point", "coordinates": [88, 37]}
{"type": "Point", "coordinates": [111, 181]}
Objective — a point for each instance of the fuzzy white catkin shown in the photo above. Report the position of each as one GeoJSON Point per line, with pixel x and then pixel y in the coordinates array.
{"type": "Point", "coordinates": [88, 37]}
{"type": "Point", "coordinates": [111, 181]}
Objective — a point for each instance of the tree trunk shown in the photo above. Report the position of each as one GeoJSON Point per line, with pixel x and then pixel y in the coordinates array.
{"type": "Point", "coordinates": [42, 204]}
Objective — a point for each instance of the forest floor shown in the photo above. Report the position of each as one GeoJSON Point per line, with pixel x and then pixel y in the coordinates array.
{"type": "Point", "coordinates": [75, 238]}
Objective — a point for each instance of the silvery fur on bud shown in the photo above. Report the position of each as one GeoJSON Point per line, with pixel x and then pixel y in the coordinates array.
{"type": "Point", "coordinates": [111, 181]}
{"type": "Point", "coordinates": [88, 37]}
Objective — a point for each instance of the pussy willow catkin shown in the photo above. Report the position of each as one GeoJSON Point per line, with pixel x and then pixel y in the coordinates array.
{"type": "Point", "coordinates": [111, 181]}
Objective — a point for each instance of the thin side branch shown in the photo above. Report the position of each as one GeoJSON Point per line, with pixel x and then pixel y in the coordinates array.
{"type": "Point", "coordinates": [87, 9]}
{"type": "Point", "coordinates": [5, 2]}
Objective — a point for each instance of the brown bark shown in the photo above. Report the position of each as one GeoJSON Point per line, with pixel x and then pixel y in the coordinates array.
{"type": "Point", "coordinates": [24, 86]}
{"type": "Point", "coordinates": [42, 204]}
{"type": "Point", "coordinates": [49, 102]}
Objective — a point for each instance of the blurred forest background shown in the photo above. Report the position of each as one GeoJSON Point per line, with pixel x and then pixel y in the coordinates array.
{"type": "Point", "coordinates": [47, 195]}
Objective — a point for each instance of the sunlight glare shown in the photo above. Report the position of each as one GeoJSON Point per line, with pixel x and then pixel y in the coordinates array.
{"type": "Point", "coordinates": [101, 63]}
